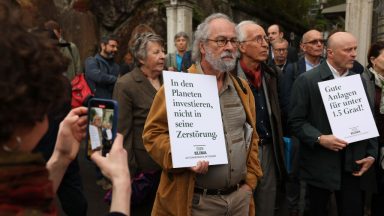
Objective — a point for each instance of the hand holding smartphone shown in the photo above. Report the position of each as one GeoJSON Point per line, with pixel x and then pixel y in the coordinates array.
{"type": "Point", "coordinates": [102, 125]}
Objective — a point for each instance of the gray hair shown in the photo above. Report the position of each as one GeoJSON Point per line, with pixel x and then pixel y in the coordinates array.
{"type": "Point", "coordinates": [181, 34]}
{"type": "Point", "coordinates": [240, 29]}
{"type": "Point", "coordinates": [140, 45]}
{"type": "Point", "coordinates": [202, 32]}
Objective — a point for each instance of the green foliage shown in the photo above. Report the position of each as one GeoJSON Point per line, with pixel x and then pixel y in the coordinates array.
{"type": "Point", "coordinates": [334, 2]}
{"type": "Point", "coordinates": [197, 14]}
{"type": "Point", "coordinates": [294, 12]}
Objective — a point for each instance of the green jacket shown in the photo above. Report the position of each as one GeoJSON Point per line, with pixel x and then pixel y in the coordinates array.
{"type": "Point", "coordinates": [72, 53]}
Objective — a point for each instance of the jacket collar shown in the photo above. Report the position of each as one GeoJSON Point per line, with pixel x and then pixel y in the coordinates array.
{"type": "Point", "coordinates": [326, 73]}
{"type": "Point", "coordinates": [138, 75]}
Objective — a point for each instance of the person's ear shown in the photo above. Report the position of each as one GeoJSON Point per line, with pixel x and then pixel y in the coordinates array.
{"type": "Point", "coordinates": [102, 46]}
{"type": "Point", "coordinates": [303, 47]}
{"type": "Point", "coordinates": [142, 61]}
{"type": "Point", "coordinates": [371, 59]}
{"type": "Point", "coordinates": [242, 47]}
{"type": "Point", "coordinates": [202, 48]}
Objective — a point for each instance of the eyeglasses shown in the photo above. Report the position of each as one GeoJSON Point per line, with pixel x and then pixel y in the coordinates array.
{"type": "Point", "coordinates": [221, 41]}
{"type": "Point", "coordinates": [280, 50]}
{"type": "Point", "coordinates": [315, 42]}
{"type": "Point", "coordinates": [259, 39]}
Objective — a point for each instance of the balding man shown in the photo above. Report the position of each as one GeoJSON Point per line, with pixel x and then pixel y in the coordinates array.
{"type": "Point", "coordinates": [262, 80]}
{"type": "Point", "coordinates": [312, 45]}
{"type": "Point", "coordinates": [329, 164]}
{"type": "Point", "coordinates": [221, 189]}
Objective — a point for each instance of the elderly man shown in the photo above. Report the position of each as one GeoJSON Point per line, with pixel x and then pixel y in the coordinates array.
{"type": "Point", "coordinates": [312, 45]}
{"type": "Point", "coordinates": [263, 83]}
{"type": "Point", "coordinates": [329, 164]}
{"type": "Point", "coordinates": [214, 190]}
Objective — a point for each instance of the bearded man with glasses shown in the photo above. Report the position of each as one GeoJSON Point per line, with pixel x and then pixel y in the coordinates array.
{"type": "Point", "coordinates": [263, 81]}
{"type": "Point", "coordinates": [202, 189]}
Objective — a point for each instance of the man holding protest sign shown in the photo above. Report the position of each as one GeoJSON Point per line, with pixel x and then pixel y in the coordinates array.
{"type": "Point", "coordinates": [328, 163]}
{"type": "Point", "coordinates": [197, 190]}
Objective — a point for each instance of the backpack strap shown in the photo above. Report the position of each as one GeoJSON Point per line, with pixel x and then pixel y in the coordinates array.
{"type": "Point", "coordinates": [72, 58]}
{"type": "Point", "coordinates": [240, 84]}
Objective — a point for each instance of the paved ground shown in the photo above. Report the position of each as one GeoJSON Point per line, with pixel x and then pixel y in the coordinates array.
{"type": "Point", "coordinates": [95, 194]}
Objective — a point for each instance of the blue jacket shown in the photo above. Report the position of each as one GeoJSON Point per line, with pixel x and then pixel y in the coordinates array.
{"type": "Point", "coordinates": [101, 75]}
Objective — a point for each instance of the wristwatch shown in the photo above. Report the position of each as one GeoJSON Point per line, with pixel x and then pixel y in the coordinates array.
{"type": "Point", "coordinates": [318, 140]}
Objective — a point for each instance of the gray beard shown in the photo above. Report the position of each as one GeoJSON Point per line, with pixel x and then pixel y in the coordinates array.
{"type": "Point", "coordinates": [219, 64]}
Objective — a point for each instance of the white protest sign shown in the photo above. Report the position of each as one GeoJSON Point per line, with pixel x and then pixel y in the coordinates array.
{"type": "Point", "coordinates": [194, 119]}
{"type": "Point", "coordinates": [94, 135]}
{"type": "Point", "coordinates": [347, 108]}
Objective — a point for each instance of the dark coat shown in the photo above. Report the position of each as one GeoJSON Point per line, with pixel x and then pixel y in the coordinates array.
{"type": "Point", "coordinates": [308, 120]}
{"type": "Point", "coordinates": [134, 94]}
{"type": "Point", "coordinates": [369, 81]}
{"type": "Point", "coordinates": [290, 73]}
{"type": "Point", "coordinates": [101, 75]}
{"type": "Point", "coordinates": [271, 76]}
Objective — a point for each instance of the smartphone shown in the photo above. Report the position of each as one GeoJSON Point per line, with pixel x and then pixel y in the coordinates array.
{"type": "Point", "coordinates": [102, 125]}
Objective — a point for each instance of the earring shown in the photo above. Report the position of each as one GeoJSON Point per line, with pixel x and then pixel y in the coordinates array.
{"type": "Point", "coordinates": [8, 149]}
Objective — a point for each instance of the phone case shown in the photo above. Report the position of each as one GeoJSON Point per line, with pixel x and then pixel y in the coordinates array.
{"type": "Point", "coordinates": [102, 125]}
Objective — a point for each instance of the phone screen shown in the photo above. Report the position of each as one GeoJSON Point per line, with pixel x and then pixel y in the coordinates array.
{"type": "Point", "coordinates": [101, 126]}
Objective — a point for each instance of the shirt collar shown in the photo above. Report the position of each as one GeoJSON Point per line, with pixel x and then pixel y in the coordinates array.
{"type": "Point", "coordinates": [309, 65]}
{"type": "Point", "coordinates": [227, 84]}
{"type": "Point", "coordinates": [335, 73]}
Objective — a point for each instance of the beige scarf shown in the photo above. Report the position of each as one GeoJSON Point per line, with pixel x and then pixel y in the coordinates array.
{"type": "Point", "coordinates": [379, 82]}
